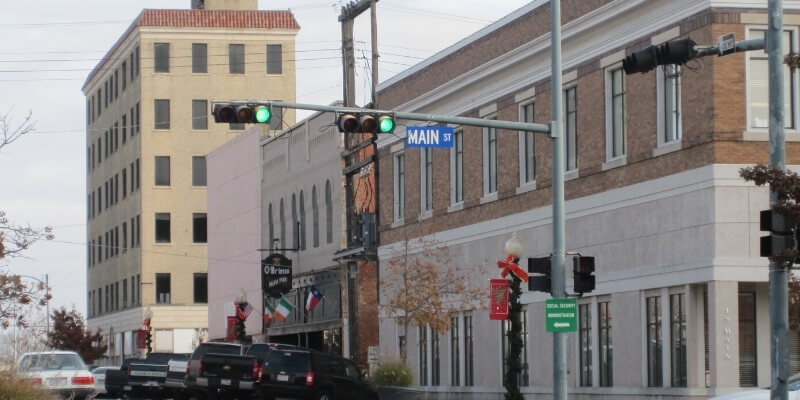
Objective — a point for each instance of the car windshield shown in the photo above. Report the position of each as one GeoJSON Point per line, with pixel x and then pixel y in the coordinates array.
{"type": "Point", "coordinates": [288, 361]}
{"type": "Point", "coordinates": [51, 361]}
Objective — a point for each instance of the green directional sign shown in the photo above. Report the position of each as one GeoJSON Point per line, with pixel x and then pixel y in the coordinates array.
{"type": "Point", "coordinates": [561, 315]}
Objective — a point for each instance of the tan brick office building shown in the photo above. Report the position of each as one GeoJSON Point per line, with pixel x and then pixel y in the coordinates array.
{"type": "Point", "coordinates": [148, 132]}
{"type": "Point", "coordinates": [652, 191]}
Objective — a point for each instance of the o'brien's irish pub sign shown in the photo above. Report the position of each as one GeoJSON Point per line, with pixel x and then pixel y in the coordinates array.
{"type": "Point", "coordinates": [276, 275]}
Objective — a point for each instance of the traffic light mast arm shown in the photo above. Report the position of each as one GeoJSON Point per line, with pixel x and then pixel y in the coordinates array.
{"type": "Point", "coordinates": [744, 45]}
{"type": "Point", "coordinates": [446, 119]}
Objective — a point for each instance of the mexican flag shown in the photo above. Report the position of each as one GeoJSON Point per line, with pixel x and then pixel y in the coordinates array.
{"type": "Point", "coordinates": [282, 310]}
{"type": "Point", "coordinates": [268, 313]}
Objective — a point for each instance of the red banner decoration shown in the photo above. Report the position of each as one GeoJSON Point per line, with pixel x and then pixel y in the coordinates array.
{"type": "Point", "coordinates": [141, 339]}
{"type": "Point", "coordinates": [231, 328]}
{"type": "Point", "coordinates": [498, 299]}
{"type": "Point", "coordinates": [508, 265]}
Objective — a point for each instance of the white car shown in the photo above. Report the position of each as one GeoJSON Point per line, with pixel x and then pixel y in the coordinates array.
{"type": "Point", "coordinates": [61, 372]}
{"type": "Point", "coordinates": [99, 375]}
{"type": "Point", "coordinates": [759, 394]}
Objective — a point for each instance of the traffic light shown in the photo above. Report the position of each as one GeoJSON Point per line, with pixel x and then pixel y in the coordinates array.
{"type": "Point", "coordinates": [781, 237]}
{"type": "Point", "coordinates": [539, 280]}
{"type": "Point", "coordinates": [673, 52]}
{"type": "Point", "coordinates": [364, 122]}
{"type": "Point", "coordinates": [582, 274]}
{"type": "Point", "coordinates": [242, 113]}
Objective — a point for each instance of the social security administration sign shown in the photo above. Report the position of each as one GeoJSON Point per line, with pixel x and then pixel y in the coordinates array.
{"type": "Point", "coordinates": [429, 136]}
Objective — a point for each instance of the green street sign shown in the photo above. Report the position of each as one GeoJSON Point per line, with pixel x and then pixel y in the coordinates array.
{"type": "Point", "coordinates": [561, 315]}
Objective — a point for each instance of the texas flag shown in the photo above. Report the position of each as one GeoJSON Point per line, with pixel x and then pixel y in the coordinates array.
{"type": "Point", "coordinates": [314, 296]}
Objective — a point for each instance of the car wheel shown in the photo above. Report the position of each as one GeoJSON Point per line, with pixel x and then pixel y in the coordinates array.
{"type": "Point", "coordinates": [325, 396]}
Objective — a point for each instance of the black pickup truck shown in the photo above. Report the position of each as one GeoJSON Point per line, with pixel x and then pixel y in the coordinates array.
{"type": "Point", "coordinates": [232, 375]}
{"type": "Point", "coordinates": [146, 378]}
{"type": "Point", "coordinates": [197, 380]}
{"type": "Point", "coordinates": [117, 378]}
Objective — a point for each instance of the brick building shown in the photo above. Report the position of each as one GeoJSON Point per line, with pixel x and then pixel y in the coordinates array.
{"type": "Point", "coordinates": [652, 192]}
{"type": "Point", "coordinates": [148, 133]}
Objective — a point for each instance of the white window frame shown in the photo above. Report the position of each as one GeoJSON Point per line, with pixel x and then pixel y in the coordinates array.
{"type": "Point", "coordinates": [523, 156]}
{"type": "Point", "coordinates": [664, 145]}
{"type": "Point", "coordinates": [425, 184]}
{"type": "Point", "coordinates": [612, 159]}
{"type": "Point", "coordinates": [573, 85]}
{"type": "Point", "coordinates": [455, 203]}
{"type": "Point", "coordinates": [399, 187]}
{"type": "Point", "coordinates": [759, 133]}
{"type": "Point", "coordinates": [488, 193]}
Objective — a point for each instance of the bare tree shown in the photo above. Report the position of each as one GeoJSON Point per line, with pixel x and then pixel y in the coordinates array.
{"type": "Point", "coordinates": [9, 132]}
{"type": "Point", "coordinates": [426, 288]}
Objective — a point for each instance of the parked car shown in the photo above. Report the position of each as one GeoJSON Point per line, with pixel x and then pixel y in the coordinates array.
{"type": "Point", "coordinates": [759, 394]}
{"type": "Point", "coordinates": [99, 375]}
{"type": "Point", "coordinates": [62, 372]}
{"type": "Point", "coordinates": [196, 382]}
{"type": "Point", "coordinates": [146, 378]}
{"type": "Point", "coordinates": [117, 378]}
{"type": "Point", "coordinates": [312, 375]}
{"type": "Point", "coordinates": [233, 375]}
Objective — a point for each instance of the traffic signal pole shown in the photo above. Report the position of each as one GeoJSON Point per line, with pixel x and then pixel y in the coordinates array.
{"type": "Point", "coordinates": [778, 271]}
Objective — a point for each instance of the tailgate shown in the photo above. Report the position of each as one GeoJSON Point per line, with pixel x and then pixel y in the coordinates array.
{"type": "Point", "coordinates": [228, 366]}
{"type": "Point", "coordinates": [147, 373]}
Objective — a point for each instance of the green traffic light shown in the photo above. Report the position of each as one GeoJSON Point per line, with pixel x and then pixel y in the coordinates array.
{"type": "Point", "coordinates": [263, 114]}
{"type": "Point", "coordinates": [386, 124]}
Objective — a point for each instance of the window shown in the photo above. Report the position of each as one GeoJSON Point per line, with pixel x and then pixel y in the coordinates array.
{"type": "Point", "coordinates": [314, 217]}
{"type": "Point", "coordinates": [162, 228]}
{"type": "Point", "coordinates": [162, 171]}
{"type": "Point", "coordinates": [758, 88]}
{"type": "Point", "coordinates": [99, 301]}
{"type": "Point", "coordinates": [669, 103]}
{"type": "Point", "coordinates": [274, 59]}
{"type": "Point", "coordinates": [527, 147]}
{"type": "Point", "coordinates": [435, 361]}
{"type": "Point", "coordinates": [302, 221]}
{"type": "Point", "coordinates": [489, 160]}
{"type": "Point", "coordinates": [163, 288]}
{"type": "Point", "coordinates": [236, 58]}
{"type": "Point", "coordinates": [654, 342]}
{"type": "Point", "coordinates": [585, 343]}
{"type": "Point", "coordinates": [161, 117]}
{"type": "Point", "coordinates": [469, 369]}
{"type": "Point", "coordinates": [200, 288]}
{"type": "Point", "coordinates": [605, 344]}
{"type": "Point", "coordinates": [275, 123]}
{"type": "Point", "coordinates": [399, 186]}
{"type": "Point", "coordinates": [678, 338]}
{"type": "Point", "coordinates": [124, 237]}
{"type": "Point", "coordinates": [124, 286]}
{"type": "Point", "coordinates": [199, 58]}
{"type": "Point", "coordinates": [328, 213]}
{"type": "Point", "coordinates": [455, 348]}
{"type": "Point", "coordinates": [124, 74]}
{"type": "Point", "coordinates": [457, 169]}
{"type": "Point", "coordinates": [426, 178]}
{"type": "Point", "coordinates": [270, 226]}
{"type": "Point", "coordinates": [282, 217]}
{"type": "Point", "coordinates": [138, 115]}
{"type": "Point", "coordinates": [199, 228]}
{"type": "Point", "coordinates": [748, 371]}
{"type": "Point", "coordinates": [199, 171]}
{"type": "Point", "coordinates": [199, 114]}
{"type": "Point", "coordinates": [124, 128]}
{"type": "Point", "coordinates": [615, 114]}
{"type": "Point", "coordinates": [570, 128]}
{"type": "Point", "coordinates": [295, 228]}
{"type": "Point", "coordinates": [423, 355]}
{"type": "Point", "coordinates": [161, 57]}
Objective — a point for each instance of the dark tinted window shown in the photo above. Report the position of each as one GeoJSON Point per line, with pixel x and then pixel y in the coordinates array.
{"type": "Point", "coordinates": [199, 57]}
{"type": "Point", "coordinates": [161, 62]}
{"type": "Point", "coordinates": [160, 358]}
{"type": "Point", "coordinates": [216, 349]}
{"type": "Point", "coordinates": [289, 361]}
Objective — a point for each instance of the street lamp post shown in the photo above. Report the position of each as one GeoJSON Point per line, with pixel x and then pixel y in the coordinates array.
{"type": "Point", "coordinates": [514, 249]}
{"type": "Point", "coordinates": [148, 315]}
{"type": "Point", "coordinates": [241, 304]}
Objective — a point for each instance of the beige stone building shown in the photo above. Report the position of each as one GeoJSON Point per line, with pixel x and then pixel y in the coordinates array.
{"type": "Point", "coordinates": [149, 129]}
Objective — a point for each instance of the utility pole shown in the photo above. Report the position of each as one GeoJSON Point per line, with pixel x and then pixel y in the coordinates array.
{"type": "Point", "coordinates": [373, 6]}
{"type": "Point", "coordinates": [778, 274]}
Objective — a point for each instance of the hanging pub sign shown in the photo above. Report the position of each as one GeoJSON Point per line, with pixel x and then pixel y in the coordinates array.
{"type": "Point", "coordinates": [276, 275]}
{"type": "Point", "coordinates": [498, 302]}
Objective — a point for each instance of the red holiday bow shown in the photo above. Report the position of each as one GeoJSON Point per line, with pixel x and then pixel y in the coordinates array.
{"type": "Point", "coordinates": [508, 265]}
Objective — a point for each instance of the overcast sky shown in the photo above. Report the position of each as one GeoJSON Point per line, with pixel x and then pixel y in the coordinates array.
{"type": "Point", "coordinates": [49, 47]}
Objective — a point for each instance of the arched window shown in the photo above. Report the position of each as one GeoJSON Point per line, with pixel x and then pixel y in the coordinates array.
{"type": "Point", "coordinates": [270, 227]}
{"type": "Point", "coordinates": [315, 216]}
{"type": "Point", "coordinates": [328, 213]}
{"type": "Point", "coordinates": [282, 217]}
{"type": "Point", "coordinates": [295, 233]}
{"type": "Point", "coordinates": [302, 221]}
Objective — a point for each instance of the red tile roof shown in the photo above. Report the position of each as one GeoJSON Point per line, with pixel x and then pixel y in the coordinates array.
{"type": "Point", "coordinates": [257, 19]}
